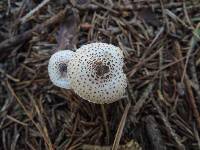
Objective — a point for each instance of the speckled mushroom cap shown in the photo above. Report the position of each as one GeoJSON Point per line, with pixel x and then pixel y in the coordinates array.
{"type": "Point", "coordinates": [58, 66]}
{"type": "Point", "coordinates": [95, 73]}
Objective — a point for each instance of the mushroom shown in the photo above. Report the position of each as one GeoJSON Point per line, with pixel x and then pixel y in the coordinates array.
{"type": "Point", "coordinates": [96, 74]}
{"type": "Point", "coordinates": [58, 66]}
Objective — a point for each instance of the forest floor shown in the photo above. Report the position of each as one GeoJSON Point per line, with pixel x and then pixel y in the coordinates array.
{"type": "Point", "coordinates": [160, 42]}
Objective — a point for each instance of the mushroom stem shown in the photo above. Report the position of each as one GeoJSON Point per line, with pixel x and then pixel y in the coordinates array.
{"type": "Point", "coordinates": [105, 123]}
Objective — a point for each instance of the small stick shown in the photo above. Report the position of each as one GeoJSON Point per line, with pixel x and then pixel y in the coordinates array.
{"type": "Point", "coordinates": [48, 143]}
{"type": "Point", "coordinates": [154, 133]}
{"type": "Point", "coordinates": [191, 98]}
{"type": "Point", "coordinates": [17, 121]}
{"type": "Point", "coordinates": [143, 62]}
{"type": "Point", "coordinates": [134, 110]}
{"type": "Point", "coordinates": [13, 41]}
{"type": "Point", "coordinates": [180, 146]}
{"type": "Point", "coordinates": [194, 77]}
{"type": "Point", "coordinates": [196, 134]}
{"type": "Point", "coordinates": [186, 14]}
{"type": "Point", "coordinates": [105, 123]}
{"type": "Point", "coordinates": [120, 128]}
{"type": "Point", "coordinates": [106, 7]}
{"type": "Point", "coordinates": [131, 145]}
{"type": "Point", "coordinates": [193, 43]}
{"type": "Point", "coordinates": [27, 16]}
{"type": "Point", "coordinates": [164, 15]}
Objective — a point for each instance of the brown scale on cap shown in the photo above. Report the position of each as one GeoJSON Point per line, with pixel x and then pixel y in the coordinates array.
{"type": "Point", "coordinates": [62, 68]}
{"type": "Point", "coordinates": [100, 68]}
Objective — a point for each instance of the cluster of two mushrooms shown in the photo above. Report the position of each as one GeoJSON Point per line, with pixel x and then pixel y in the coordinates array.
{"type": "Point", "coordinates": [94, 72]}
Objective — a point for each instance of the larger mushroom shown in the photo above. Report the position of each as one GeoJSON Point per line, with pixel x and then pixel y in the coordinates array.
{"type": "Point", "coordinates": [94, 72]}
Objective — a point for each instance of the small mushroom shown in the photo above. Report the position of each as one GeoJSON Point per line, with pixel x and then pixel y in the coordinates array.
{"type": "Point", "coordinates": [58, 68]}
{"type": "Point", "coordinates": [95, 73]}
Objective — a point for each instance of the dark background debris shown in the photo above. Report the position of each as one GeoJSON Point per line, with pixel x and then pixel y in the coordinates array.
{"type": "Point", "coordinates": [160, 42]}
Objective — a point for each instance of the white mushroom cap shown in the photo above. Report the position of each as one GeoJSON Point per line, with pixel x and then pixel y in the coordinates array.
{"type": "Point", "coordinates": [96, 73]}
{"type": "Point", "coordinates": [58, 67]}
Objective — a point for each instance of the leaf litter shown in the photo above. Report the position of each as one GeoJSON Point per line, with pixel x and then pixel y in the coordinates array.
{"type": "Point", "coordinates": [160, 40]}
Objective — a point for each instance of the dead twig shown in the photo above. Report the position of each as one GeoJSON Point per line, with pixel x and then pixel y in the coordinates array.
{"type": "Point", "coordinates": [13, 41]}
{"type": "Point", "coordinates": [140, 103]}
{"type": "Point", "coordinates": [43, 133]}
{"type": "Point", "coordinates": [180, 146]}
{"type": "Point", "coordinates": [154, 133]}
{"type": "Point", "coordinates": [132, 145]}
{"type": "Point", "coordinates": [143, 62]}
{"type": "Point", "coordinates": [27, 16]}
{"type": "Point", "coordinates": [196, 133]}
{"type": "Point", "coordinates": [194, 76]}
{"type": "Point", "coordinates": [120, 128]}
{"type": "Point", "coordinates": [191, 99]}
